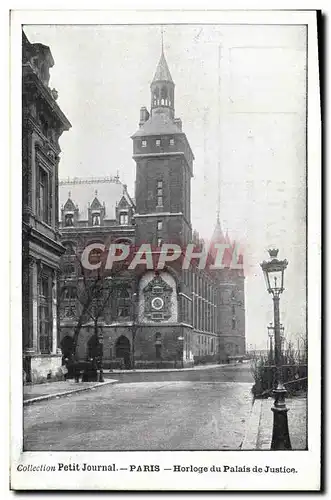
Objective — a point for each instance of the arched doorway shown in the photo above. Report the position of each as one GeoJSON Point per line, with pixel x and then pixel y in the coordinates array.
{"type": "Point", "coordinates": [67, 347]}
{"type": "Point", "coordinates": [92, 347]}
{"type": "Point", "coordinates": [122, 350]}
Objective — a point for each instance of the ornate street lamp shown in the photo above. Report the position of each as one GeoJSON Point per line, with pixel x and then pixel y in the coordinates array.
{"type": "Point", "coordinates": [273, 270]}
{"type": "Point", "coordinates": [271, 335]}
{"type": "Point", "coordinates": [100, 349]}
{"type": "Point", "coordinates": [134, 327]}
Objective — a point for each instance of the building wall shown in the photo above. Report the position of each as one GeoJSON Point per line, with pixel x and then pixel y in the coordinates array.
{"type": "Point", "coordinates": [43, 123]}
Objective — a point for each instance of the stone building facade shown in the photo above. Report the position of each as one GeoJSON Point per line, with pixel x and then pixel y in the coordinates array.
{"type": "Point", "coordinates": [171, 316]}
{"type": "Point", "coordinates": [43, 122]}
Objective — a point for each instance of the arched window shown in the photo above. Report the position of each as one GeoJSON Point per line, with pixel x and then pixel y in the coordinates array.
{"type": "Point", "coordinates": [156, 97]}
{"type": "Point", "coordinates": [69, 220]}
{"type": "Point", "coordinates": [96, 219]}
{"type": "Point", "coordinates": [124, 218]}
{"type": "Point", "coordinates": [164, 92]}
{"type": "Point", "coordinates": [93, 347]}
{"type": "Point", "coordinates": [123, 303]}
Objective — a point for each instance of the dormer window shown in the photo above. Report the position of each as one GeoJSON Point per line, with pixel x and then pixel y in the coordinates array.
{"type": "Point", "coordinates": [144, 143]}
{"type": "Point", "coordinates": [124, 219]}
{"type": "Point", "coordinates": [172, 142]}
{"type": "Point", "coordinates": [158, 142]}
{"type": "Point", "coordinates": [96, 219]}
{"type": "Point", "coordinates": [69, 220]}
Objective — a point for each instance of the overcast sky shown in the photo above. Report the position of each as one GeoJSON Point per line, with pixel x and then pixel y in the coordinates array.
{"type": "Point", "coordinates": [252, 121]}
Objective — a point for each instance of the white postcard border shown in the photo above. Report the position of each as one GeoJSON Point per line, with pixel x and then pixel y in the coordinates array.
{"type": "Point", "coordinates": [307, 463]}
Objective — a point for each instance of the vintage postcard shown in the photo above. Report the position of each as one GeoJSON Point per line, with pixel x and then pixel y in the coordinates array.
{"type": "Point", "coordinates": [165, 173]}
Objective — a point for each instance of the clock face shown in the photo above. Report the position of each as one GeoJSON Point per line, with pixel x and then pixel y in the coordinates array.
{"type": "Point", "coordinates": [157, 303]}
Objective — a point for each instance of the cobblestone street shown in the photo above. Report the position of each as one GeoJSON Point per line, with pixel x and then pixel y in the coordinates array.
{"type": "Point", "coordinates": [205, 409]}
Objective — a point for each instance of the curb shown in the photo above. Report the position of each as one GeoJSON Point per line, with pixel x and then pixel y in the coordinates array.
{"type": "Point", "coordinates": [252, 430]}
{"type": "Point", "coordinates": [162, 370]}
{"type": "Point", "coordinates": [66, 393]}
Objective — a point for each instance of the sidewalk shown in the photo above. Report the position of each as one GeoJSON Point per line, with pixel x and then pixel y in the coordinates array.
{"type": "Point", "coordinates": [259, 430]}
{"type": "Point", "coordinates": [39, 392]}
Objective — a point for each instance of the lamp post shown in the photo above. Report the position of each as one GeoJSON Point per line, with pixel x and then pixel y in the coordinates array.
{"type": "Point", "coordinates": [134, 327]}
{"type": "Point", "coordinates": [100, 345]}
{"type": "Point", "coordinates": [271, 334]}
{"type": "Point", "coordinates": [273, 270]}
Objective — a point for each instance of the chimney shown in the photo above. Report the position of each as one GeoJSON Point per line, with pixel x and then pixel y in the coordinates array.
{"type": "Point", "coordinates": [144, 115]}
{"type": "Point", "coordinates": [178, 122]}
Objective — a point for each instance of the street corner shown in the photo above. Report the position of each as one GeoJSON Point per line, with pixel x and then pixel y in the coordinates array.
{"type": "Point", "coordinates": [56, 390]}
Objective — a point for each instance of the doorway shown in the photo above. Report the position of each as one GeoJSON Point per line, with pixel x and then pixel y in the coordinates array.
{"type": "Point", "coordinates": [122, 350]}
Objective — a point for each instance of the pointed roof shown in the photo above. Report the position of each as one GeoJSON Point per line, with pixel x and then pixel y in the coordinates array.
{"type": "Point", "coordinates": [218, 236]}
{"type": "Point", "coordinates": [162, 72]}
{"type": "Point", "coordinates": [158, 123]}
{"type": "Point", "coordinates": [95, 205]}
{"type": "Point", "coordinates": [69, 205]}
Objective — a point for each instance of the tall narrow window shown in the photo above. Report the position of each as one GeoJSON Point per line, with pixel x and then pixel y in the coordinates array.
{"type": "Point", "coordinates": [123, 303]}
{"type": "Point", "coordinates": [43, 195]}
{"type": "Point", "coordinates": [158, 142]}
{"type": "Point", "coordinates": [124, 219]}
{"type": "Point", "coordinates": [143, 143]}
{"type": "Point", "coordinates": [159, 233]}
{"type": "Point", "coordinates": [96, 219]}
{"type": "Point", "coordinates": [233, 323]}
{"type": "Point", "coordinates": [69, 220]}
{"type": "Point", "coordinates": [159, 193]}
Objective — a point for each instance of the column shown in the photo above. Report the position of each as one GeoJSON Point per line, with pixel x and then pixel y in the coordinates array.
{"type": "Point", "coordinates": [34, 291]}
{"type": "Point", "coordinates": [27, 289]}
{"type": "Point", "coordinates": [54, 313]}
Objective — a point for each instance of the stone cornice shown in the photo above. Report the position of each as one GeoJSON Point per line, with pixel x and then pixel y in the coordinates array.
{"type": "Point", "coordinates": [30, 76]}
{"type": "Point", "coordinates": [41, 239]}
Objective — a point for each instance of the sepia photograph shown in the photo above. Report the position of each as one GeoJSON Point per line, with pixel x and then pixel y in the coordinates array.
{"type": "Point", "coordinates": [164, 258]}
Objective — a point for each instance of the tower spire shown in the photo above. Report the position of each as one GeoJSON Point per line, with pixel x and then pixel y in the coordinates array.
{"type": "Point", "coordinates": [162, 48]}
{"type": "Point", "coordinates": [162, 87]}
{"type": "Point", "coordinates": [219, 138]}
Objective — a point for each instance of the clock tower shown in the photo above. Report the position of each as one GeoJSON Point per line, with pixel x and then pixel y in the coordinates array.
{"type": "Point", "coordinates": [164, 167]}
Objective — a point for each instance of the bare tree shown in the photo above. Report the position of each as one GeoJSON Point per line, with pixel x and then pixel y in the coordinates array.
{"type": "Point", "coordinates": [88, 293]}
{"type": "Point", "coordinates": [93, 290]}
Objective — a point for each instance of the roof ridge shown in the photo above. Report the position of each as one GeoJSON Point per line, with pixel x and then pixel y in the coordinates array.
{"type": "Point", "coordinates": [90, 180]}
